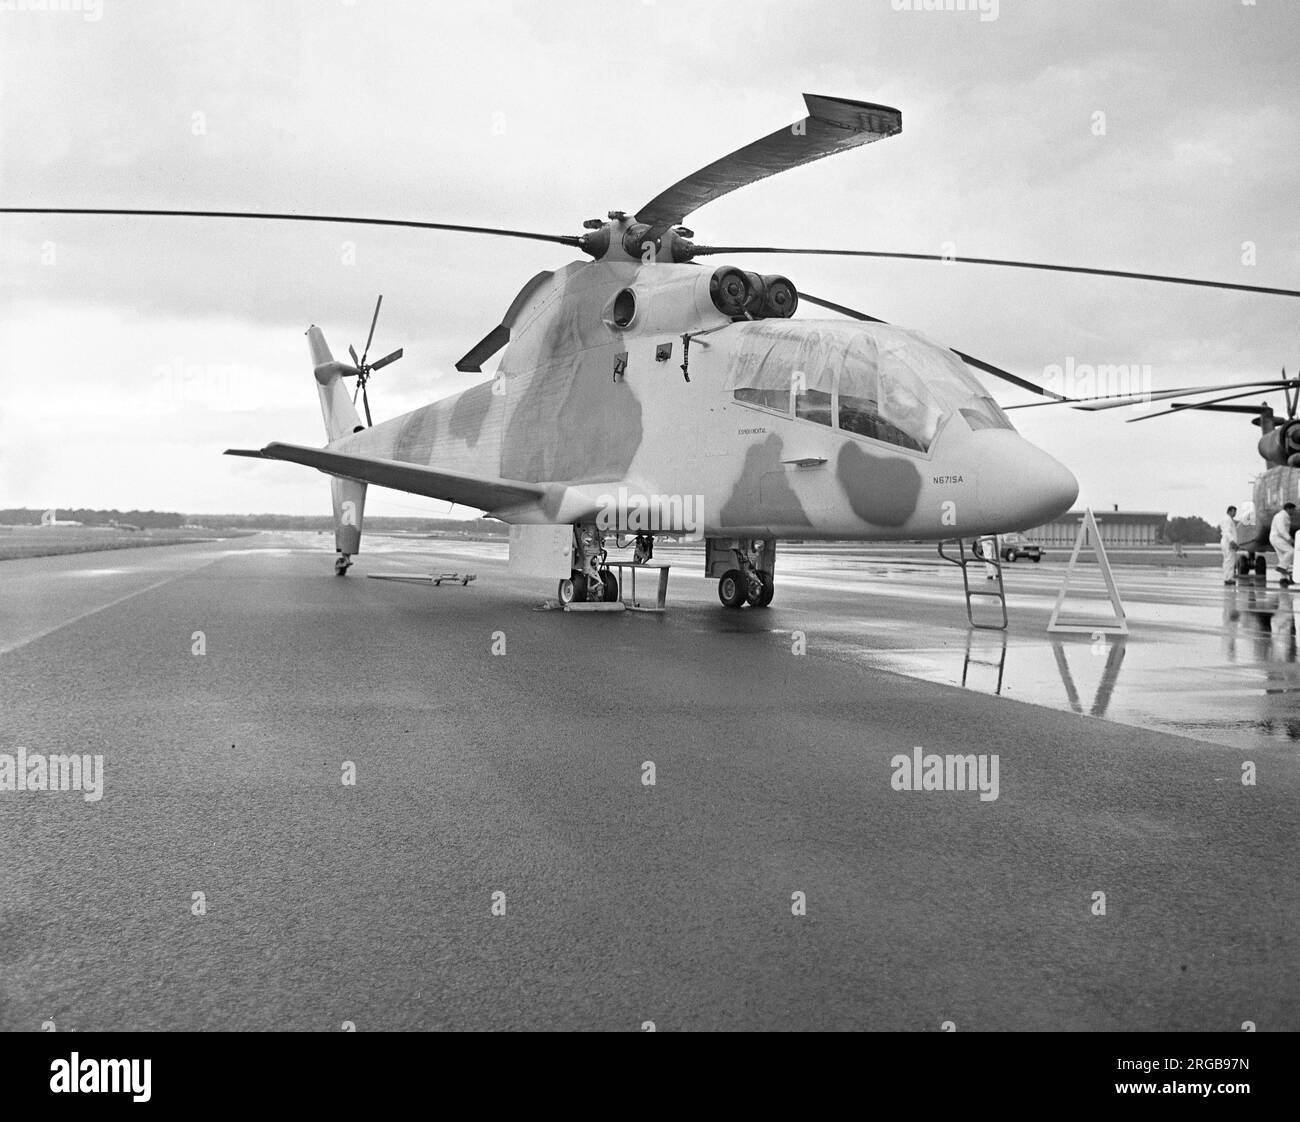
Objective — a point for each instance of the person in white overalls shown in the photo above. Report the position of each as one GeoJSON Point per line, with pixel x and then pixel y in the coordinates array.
{"type": "Point", "coordinates": [1228, 544]}
{"type": "Point", "coordinates": [1280, 538]}
{"type": "Point", "coordinates": [987, 548]}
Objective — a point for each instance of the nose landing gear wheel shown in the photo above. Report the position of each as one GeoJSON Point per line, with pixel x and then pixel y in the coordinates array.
{"type": "Point", "coordinates": [611, 586]}
{"type": "Point", "coordinates": [573, 590]}
{"type": "Point", "coordinates": [341, 565]}
{"type": "Point", "coordinates": [764, 596]}
{"type": "Point", "coordinates": [731, 589]}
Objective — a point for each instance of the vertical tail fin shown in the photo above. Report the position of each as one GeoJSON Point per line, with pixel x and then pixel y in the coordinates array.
{"type": "Point", "coordinates": [340, 420]}
{"type": "Point", "coordinates": [349, 509]}
{"type": "Point", "coordinates": [335, 404]}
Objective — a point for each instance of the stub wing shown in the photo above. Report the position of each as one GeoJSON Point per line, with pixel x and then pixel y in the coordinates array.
{"type": "Point", "coordinates": [528, 500]}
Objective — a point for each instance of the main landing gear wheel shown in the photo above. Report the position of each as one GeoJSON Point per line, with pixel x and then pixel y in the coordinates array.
{"type": "Point", "coordinates": [764, 595]}
{"type": "Point", "coordinates": [574, 589]}
{"type": "Point", "coordinates": [611, 586]}
{"type": "Point", "coordinates": [732, 589]}
{"type": "Point", "coordinates": [341, 565]}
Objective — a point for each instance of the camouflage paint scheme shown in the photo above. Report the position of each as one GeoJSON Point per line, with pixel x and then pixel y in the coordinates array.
{"type": "Point", "coordinates": [556, 413]}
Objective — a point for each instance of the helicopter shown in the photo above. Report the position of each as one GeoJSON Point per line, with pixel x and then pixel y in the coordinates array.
{"type": "Point", "coordinates": [1278, 446]}
{"type": "Point", "coordinates": [641, 392]}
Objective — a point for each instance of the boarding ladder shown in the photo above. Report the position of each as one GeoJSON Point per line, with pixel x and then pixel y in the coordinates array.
{"type": "Point", "coordinates": [965, 558]}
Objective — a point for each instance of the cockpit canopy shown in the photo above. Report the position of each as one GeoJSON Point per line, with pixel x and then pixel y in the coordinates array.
{"type": "Point", "coordinates": [868, 379]}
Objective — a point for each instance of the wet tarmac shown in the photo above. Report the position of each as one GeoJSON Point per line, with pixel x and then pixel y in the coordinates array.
{"type": "Point", "coordinates": [772, 875]}
{"type": "Point", "coordinates": [1200, 659]}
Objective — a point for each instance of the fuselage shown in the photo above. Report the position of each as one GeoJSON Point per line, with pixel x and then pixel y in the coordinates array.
{"type": "Point", "coordinates": [1276, 486]}
{"type": "Point", "coordinates": [775, 428]}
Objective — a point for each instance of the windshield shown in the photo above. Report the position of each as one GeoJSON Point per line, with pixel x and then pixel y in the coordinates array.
{"type": "Point", "coordinates": [871, 380]}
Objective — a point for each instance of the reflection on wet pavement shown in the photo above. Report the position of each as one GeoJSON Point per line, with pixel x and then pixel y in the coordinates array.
{"type": "Point", "coordinates": [1228, 675]}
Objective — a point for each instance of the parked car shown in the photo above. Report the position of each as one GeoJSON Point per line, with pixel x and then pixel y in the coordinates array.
{"type": "Point", "coordinates": [1016, 546]}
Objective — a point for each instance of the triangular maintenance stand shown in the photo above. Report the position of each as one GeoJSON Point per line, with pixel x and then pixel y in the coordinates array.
{"type": "Point", "coordinates": [1117, 626]}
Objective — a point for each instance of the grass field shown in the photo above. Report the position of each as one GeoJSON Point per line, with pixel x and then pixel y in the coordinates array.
{"type": "Point", "coordinates": [50, 541]}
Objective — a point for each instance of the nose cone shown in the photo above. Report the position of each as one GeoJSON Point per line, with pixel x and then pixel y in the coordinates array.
{"type": "Point", "coordinates": [1021, 486]}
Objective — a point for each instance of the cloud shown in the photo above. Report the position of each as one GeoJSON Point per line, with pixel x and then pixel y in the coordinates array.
{"type": "Point", "coordinates": [538, 116]}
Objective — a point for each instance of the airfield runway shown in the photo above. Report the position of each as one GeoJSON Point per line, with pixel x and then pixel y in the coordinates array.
{"type": "Point", "coordinates": [522, 773]}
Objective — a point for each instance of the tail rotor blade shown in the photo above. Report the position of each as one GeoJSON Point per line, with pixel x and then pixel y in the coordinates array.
{"type": "Point", "coordinates": [353, 352]}
{"type": "Point", "coordinates": [365, 400]}
{"type": "Point", "coordinates": [373, 320]}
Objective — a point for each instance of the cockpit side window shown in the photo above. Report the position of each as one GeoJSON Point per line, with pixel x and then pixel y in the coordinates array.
{"type": "Point", "coordinates": [775, 399]}
{"type": "Point", "coordinates": [862, 416]}
{"type": "Point", "coordinates": [985, 413]}
{"type": "Point", "coordinates": [761, 374]}
{"type": "Point", "coordinates": [906, 404]}
{"type": "Point", "coordinates": [877, 382]}
{"type": "Point", "coordinates": [882, 397]}
{"type": "Point", "coordinates": [813, 405]}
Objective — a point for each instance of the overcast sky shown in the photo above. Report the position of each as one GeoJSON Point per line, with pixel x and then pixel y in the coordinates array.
{"type": "Point", "coordinates": [133, 351]}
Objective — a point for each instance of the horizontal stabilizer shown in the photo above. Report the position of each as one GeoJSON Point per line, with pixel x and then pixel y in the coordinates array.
{"type": "Point", "coordinates": [435, 483]}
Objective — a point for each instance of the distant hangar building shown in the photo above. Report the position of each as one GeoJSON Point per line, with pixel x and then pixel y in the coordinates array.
{"type": "Point", "coordinates": [1118, 528]}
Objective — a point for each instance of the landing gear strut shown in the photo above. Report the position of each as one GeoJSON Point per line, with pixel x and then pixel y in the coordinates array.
{"type": "Point", "coordinates": [342, 563]}
{"type": "Point", "coordinates": [744, 569]}
{"type": "Point", "coordinates": [590, 578]}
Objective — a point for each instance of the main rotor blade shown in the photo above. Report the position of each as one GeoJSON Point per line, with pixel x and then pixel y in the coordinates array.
{"type": "Point", "coordinates": [970, 360]}
{"type": "Point", "coordinates": [706, 250]}
{"type": "Point", "coordinates": [559, 239]}
{"type": "Point", "coordinates": [1119, 401]}
{"type": "Point", "coordinates": [386, 360]}
{"type": "Point", "coordinates": [852, 313]}
{"type": "Point", "coordinates": [1181, 407]}
{"type": "Point", "coordinates": [833, 124]}
{"type": "Point", "coordinates": [370, 338]}
{"type": "Point", "coordinates": [1249, 410]}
